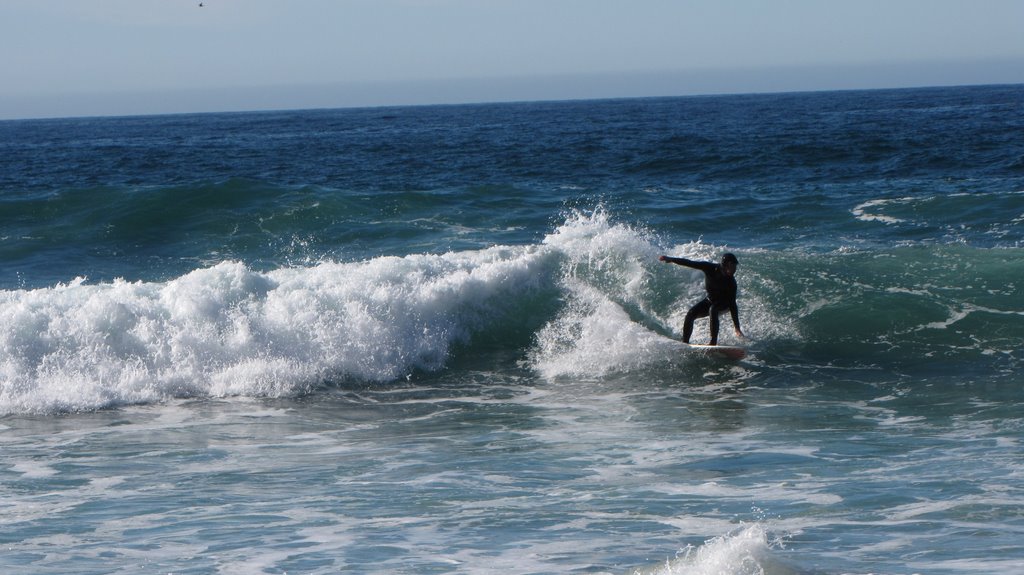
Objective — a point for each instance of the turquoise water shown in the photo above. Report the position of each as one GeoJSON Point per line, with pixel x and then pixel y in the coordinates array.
{"type": "Point", "coordinates": [439, 340]}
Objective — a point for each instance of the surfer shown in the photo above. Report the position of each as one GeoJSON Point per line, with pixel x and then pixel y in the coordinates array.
{"type": "Point", "coordinates": [720, 283]}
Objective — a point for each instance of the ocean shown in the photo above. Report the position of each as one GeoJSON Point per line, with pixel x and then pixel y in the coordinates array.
{"type": "Point", "coordinates": [439, 340]}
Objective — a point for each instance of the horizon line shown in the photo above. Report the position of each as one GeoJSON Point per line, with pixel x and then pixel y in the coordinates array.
{"type": "Point", "coordinates": [511, 89]}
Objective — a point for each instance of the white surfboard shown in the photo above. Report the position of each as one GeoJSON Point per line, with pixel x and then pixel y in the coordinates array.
{"type": "Point", "coordinates": [721, 351]}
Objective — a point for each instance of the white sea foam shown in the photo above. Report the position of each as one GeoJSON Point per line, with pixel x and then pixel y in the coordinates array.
{"type": "Point", "coordinates": [594, 336]}
{"type": "Point", "coordinates": [605, 268]}
{"type": "Point", "coordinates": [861, 211]}
{"type": "Point", "coordinates": [745, 551]}
{"type": "Point", "coordinates": [230, 330]}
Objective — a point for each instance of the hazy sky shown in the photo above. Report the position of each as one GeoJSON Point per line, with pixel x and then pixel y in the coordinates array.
{"type": "Point", "coordinates": [87, 57]}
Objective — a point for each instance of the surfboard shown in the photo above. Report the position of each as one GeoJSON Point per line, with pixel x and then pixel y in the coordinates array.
{"type": "Point", "coordinates": [720, 351]}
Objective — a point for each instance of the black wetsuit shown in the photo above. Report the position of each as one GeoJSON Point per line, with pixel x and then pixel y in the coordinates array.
{"type": "Point", "coordinates": [721, 297]}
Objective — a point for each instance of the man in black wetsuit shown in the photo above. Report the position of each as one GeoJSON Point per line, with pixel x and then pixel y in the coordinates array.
{"type": "Point", "coordinates": [721, 287]}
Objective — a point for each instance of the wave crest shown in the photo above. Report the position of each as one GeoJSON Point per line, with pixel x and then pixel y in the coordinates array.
{"type": "Point", "coordinates": [229, 330]}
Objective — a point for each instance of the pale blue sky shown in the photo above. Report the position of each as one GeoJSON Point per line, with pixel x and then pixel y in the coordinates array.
{"type": "Point", "coordinates": [99, 57]}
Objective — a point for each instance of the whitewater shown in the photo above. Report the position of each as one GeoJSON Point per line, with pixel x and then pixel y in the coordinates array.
{"type": "Point", "coordinates": [228, 330]}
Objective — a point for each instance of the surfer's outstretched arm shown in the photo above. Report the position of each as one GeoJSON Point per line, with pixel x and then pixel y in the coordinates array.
{"type": "Point", "coordinates": [702, 266]}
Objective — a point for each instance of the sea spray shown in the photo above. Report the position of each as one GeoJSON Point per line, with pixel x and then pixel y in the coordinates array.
{"type": "Point", "coordinates": [746, 551]}
{"type": "Point", "coordinates": [229, 330]}
{"type": "Point", "coordinates": [624, 309]}
{"type": "Point", "coordinates": [592, 296]}
{"type": "Point", "coordinates": [594, 336]}
{"type": "Point", "coordinates": [604, 276]}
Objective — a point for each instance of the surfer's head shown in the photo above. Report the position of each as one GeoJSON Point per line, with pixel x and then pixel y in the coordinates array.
{"type": "Point", "coordinates": [729, 263]}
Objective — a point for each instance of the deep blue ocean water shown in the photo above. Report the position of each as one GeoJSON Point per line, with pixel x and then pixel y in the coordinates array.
{"type": "Point", "coordinates": [439, 339]}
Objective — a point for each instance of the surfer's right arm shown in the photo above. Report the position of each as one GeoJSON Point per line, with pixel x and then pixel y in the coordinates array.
{"type": "Point", "coordinates": [702, 266]}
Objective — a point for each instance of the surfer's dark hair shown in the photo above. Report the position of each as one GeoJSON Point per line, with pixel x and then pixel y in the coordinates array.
{"type": "Point", "coordinates": [728, 257]}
